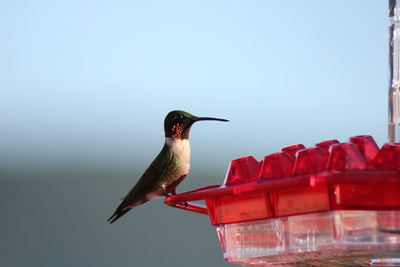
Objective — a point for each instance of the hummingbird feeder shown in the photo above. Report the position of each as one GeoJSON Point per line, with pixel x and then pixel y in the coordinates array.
{"type": "Point", "coordinates": [334, 204]}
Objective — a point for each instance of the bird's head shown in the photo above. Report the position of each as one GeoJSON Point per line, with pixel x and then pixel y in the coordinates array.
{"type": "Point", "coordinates": [177, 123]}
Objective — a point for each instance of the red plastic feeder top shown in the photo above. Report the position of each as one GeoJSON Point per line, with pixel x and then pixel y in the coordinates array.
{"type": "Point", "coordinates": [356, 175]}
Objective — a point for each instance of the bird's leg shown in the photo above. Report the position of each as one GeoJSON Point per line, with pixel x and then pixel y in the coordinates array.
{"type": "Point", "coordinates": [164, 192]}
{"type": "Point", "coordinates": [172, 187]}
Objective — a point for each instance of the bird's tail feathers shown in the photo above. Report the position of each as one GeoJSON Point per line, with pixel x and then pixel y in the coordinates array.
{"type": "Point", "coordinates": [117, 214]}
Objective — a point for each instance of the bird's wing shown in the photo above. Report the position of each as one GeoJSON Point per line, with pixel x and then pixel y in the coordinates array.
{"type": "Point", "coordinates": [137, 195]}
{"type": "Point", "coordinates": [150, 177]}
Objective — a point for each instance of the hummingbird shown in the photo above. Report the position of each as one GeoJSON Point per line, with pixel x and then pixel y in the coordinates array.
{"type": "Point", "coordinates": [169, 168]}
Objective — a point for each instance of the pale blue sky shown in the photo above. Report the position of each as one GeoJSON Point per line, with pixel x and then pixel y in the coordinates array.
{"type": "Point", "coordinates": [93, 80]}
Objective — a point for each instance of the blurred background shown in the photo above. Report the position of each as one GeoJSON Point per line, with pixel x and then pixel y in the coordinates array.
{"type": "Point", "coordinates": [85, 87]}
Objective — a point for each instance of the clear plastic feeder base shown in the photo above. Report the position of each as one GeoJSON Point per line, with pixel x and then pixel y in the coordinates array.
{"type": "Point", "coordinates": [334, 238]}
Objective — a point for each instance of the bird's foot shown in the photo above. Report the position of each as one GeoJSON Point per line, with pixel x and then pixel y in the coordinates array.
{"type": "Point", "coordinates": [165, 194]}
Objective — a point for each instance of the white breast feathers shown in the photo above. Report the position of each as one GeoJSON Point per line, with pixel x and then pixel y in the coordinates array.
{"type": "Point", "coordinates": [180, 147]}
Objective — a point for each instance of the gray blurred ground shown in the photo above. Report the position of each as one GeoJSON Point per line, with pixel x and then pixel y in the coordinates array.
{"type": "Point", "coordinates": [60, 220]}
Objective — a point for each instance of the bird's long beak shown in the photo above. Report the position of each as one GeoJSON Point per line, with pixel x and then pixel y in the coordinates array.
{"type": "Point", "coordinates": [195, 119]}
{"type": "Point", "coordinates": [207, 119]}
